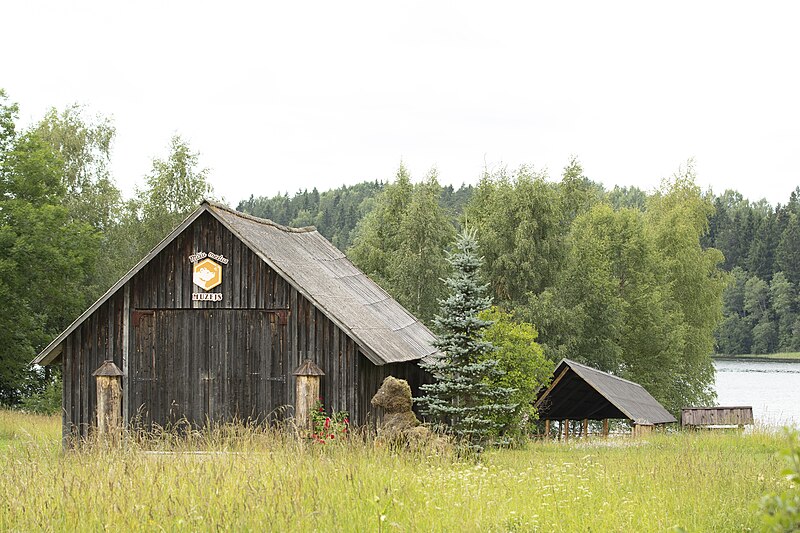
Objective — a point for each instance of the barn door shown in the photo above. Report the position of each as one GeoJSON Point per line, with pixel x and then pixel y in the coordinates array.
{"type": "Point", "coordinates": [170, 367]}
{"type": "Point", "coordinates": [208, 364]}
{"type": "Point", "coordinates": [248, 364]}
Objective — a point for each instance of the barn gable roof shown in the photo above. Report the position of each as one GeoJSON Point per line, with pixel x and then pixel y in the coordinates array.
{"type": "Point", "coordinates": [607, 394]}
{"type": "Point", "coordinates": [383, 329]}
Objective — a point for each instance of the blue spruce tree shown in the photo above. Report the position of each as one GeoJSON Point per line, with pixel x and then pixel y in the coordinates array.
{"type": "Point", "coordinates": [461, 396]}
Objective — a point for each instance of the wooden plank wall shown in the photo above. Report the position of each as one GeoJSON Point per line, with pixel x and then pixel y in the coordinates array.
{"type": "Point", "coordinates": [716, 416]}
{"type": "Point", "coordinates": [200, 347]}
{"type": "Point", "coordinates": [97, 339]}
{"type": "Point", "coordinates": [351, 379]}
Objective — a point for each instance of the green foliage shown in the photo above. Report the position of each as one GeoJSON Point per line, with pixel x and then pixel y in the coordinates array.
{"type": "Point", "coordinates": [781, 512]}
{"type": "Point", "coordinates": [627, 197]}
{"type": "Point", "coordinates": [174, 188]}
{"type": "Point", "coordinates": [465, 394]}
{"type": "Point", "coordinates": [788, 252]}
{"type": "Point", "coordinates": [519, 225]}
{"type": "Point", "coordinates": [678, 218]}
{"type": "Point", "coordinates": [638, 296]}
{"type": "Point", "coordinates": [759, 243]}
{"type": "Point", "coordinates": [83, 144]}
{"type": "Point", "coordinates": [524, 368]}
{"type": "Point", "coordinates": [45, 402]}
{"type": "Point", "coordinates": [337, 212]}
{"type": "Point", "coordinates": [401, 243]}
{"type": "Point", "coordinates": [49, 255]}
{"type": "Point", "coordinates": [760, 317]}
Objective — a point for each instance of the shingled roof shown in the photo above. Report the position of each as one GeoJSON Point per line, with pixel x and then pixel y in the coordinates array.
{"type": "Point", "coordinates": [579, 391]}
{"type": "Point", "coordinates": [383, 329]}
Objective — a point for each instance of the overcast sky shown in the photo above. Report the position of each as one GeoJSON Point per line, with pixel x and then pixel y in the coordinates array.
{"type": "Point", "coordinates": [292, 95]}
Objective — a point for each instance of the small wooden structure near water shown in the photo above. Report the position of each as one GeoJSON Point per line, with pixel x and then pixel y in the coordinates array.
{"type": "Point", "coordinates": [581, 393]}
{"type": "Point", "coordinates": [716, 417]}
{"type": "Point", "coordinates": [211, 325]}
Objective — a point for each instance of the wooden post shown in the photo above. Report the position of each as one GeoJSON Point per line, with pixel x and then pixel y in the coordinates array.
{"type": "Point", "coordinates": [109, 401]}
{"type": "Point", "coordinates": [566, 430]}
{"type": "Point", "coordinates": [307, 388]}
{"type": "Point", "coordinates": [585, 427]}
{"type": "Point", "coordinates": [605, 427]}
{"type": "Point", "coordinates": [547, 428]}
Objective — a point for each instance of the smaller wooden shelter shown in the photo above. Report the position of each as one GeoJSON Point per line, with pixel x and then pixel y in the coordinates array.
{"type": "Point", "coordinates": [580, 392]}
{"type": "Point", "coordinates": [716, 417]}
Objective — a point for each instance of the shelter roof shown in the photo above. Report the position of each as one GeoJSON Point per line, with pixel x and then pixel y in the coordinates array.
{"type": "Point", "coordinates": [383, 329]}
{"type": "Point", "coordinates": [579, 391]}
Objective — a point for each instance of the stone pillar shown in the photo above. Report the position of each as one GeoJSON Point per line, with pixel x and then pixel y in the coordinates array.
{"type": "Point", "coordinates": [307, 392]}
{"type": "Point", "coordinates": [109, 401]}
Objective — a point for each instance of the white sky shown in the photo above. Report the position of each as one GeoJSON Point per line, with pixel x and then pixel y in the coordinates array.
{"type": "Point", "coordinates": [292, 95]}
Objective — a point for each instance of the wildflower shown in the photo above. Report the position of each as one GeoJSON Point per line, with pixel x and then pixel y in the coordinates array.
{"type": "Point", "coordinates": [327, 423]}
{"type": "Point", "coordinates": [332, 435]}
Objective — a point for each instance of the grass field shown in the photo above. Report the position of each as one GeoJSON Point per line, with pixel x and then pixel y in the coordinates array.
{"type": "Point", "coordinates": [264, 480]}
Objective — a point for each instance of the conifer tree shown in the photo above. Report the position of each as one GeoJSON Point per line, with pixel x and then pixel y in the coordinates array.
{"type": "Point", "coordinates": [461, 395]}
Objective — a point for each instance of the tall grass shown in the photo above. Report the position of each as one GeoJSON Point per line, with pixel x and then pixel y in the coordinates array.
{"type": "Point", "coordinates": [16, 426]}
{"type": "Point", "coordinates": [264, 479]}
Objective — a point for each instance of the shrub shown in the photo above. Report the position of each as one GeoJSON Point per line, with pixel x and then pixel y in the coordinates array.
{"type": "Point", "coordinates": [45, 402]}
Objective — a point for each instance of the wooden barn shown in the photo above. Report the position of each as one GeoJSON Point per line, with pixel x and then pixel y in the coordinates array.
{"type": "Point", "coordinates": [581, 393]}
{"type": "Point", "coordinates": [213, 322]}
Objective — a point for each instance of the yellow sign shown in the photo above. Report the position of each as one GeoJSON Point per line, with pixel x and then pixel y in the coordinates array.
{"type": "Point", "coordinates": [207, 274]}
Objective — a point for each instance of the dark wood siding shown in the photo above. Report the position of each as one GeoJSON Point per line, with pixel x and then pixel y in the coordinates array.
{"type": "Point", "coordinates": [221, 360]}
{"type": "Point", "coordinates": [97, 339]}
{"type": "Point", "coordinates": [207, 364]}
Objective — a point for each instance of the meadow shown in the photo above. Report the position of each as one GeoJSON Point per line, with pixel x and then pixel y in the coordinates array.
{"type": "Point", "coordinates": [248, 478]}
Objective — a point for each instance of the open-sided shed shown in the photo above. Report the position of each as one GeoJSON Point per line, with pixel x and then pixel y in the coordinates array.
{"type": "Point", "coordinates": [212, 322]}
{"type": "Point", "coordinates": [580, 392]}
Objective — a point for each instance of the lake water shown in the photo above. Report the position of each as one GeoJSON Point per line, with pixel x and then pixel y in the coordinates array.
{"type": "Point", "coordinates": [771, 388]}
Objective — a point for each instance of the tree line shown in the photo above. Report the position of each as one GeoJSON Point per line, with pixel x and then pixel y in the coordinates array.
{"type": "Point", "coordinates": [644, 285]}
{"type": "Point", "coordinates": [761, 245]}
{"type": "Point", "coordinates": [615, 279]}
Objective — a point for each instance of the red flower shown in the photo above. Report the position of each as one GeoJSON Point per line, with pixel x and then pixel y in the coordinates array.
{"type": "Point", "coordinates": [327, 423]}
{"type": "Point", "coordinates": [332, 435]}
